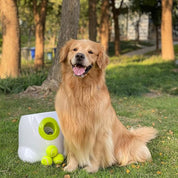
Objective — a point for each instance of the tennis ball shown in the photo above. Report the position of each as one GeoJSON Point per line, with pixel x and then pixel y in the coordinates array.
{"type": "Point", "coordinates": [46, 160]}
{"type": "Point", "coordinates": [51, 151]}
{"type": "Point", "coordinates": [58, 159]}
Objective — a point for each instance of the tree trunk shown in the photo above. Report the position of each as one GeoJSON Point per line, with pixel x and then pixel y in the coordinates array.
{"type": "Point", "coordinates": [116, 12]}
{"type": "Point", "coordinates": [117, 35]}
{"type": "Point", "coordinates": [104, 24]}
{"type": "Point", "coordinates": [137, 28]}
{"type": "Point", "coordinates": [68, 30]}
{"type": "Point", "coordinates": [157, 37]}
{"type": "Point", "coordinates": [92, 20]}
{"type": "Point", "coordinates": [39, 12]}
{"type": "Point", "coordinates": [10, 61]}
{"type": "Point", "coordinates": [166, 30]}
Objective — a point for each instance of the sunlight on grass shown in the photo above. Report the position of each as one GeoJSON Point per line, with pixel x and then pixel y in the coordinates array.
{"type": "Point", "coordinates": [139, 75]}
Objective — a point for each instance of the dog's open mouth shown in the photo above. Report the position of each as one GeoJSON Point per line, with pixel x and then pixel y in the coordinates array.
{"type": "Point", "coordinates": [80, 70]}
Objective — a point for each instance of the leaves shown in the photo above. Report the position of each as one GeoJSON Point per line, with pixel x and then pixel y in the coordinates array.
{"type": "Point", "coordinates": [67, 176]}
{"type": "Point", "coordinates": [158, 172]}
{"type": "Point", "coordinates": [127, 171]}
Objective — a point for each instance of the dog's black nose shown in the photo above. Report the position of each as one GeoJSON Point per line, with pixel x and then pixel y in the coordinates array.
{"type": "Point", "coordinates": [80, 56]}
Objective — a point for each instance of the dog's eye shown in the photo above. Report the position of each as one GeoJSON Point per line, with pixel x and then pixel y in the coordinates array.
{"type": "Point", "coordinates": [75, 49]}
{"type": "Point", "coordinates": [90, 52]}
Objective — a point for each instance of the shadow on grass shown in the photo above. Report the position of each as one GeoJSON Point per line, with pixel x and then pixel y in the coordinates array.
{"type": "Point", "coordinates": [137, 79]}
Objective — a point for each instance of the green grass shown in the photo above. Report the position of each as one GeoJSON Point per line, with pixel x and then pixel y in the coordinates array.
{"type": "Point", "coordinates": [129, 80]}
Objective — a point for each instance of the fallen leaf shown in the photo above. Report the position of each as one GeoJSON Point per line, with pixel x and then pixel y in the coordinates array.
{"type": "Point", "coordinates": [14, 120]}
{"type": "Point", "coordinates": [165, 117]}
{"type": "Point", "coordinates": [111, 171]}
{"type": "Point", "coordinates": [127, 171]}
{"type": "Point", "coordinates": [171, 132]}
{"type": "Point", "coordinates": [63, 165]}
{"type": "Point", "coordinates": [133, 166]}
{"type": "Point", "coordinates": [159, 121]}
{"type": "Point", "coordinates": [67, 176]}
{"type": "Point", "coordinates": [158, 172]}
{"type": "Point", "coordinates": [138, 167]}
{"type": "Point", "coordinates": [58, 165]}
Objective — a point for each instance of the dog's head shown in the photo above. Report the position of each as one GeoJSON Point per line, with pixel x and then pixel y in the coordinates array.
{"type": "Point", "coordinates": [82, 56]}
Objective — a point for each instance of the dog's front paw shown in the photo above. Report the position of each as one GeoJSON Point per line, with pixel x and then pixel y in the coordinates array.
{"type": "Point", "coordinates": [91, 169]}
{"type": "Point", "coordinates": [70, 168]}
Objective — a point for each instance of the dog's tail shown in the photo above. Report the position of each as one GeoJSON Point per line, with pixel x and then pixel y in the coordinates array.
{"type": "Point", "coordinates": [144, 134]}
{"type": "Point", "coordinates": [135, 149]}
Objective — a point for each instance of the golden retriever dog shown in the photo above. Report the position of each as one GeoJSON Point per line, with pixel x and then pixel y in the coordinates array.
{"type": "Point", "coordinates": [93, 135]}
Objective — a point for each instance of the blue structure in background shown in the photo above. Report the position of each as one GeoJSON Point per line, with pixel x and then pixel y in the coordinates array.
{"type": "Point", "coordinates": [32, 50]}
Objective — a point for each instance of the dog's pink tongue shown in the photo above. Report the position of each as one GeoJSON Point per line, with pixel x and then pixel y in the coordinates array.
{"type": "Point", "coordinates": [78, 70]}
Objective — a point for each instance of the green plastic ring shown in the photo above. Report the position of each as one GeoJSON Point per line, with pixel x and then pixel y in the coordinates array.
{"type": "Point", "coordinates": [49, 128]}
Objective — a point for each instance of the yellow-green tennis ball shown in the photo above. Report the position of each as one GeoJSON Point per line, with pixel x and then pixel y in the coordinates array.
{"type": "Point", "coordinates": [51, 151]}
{"type": "Point", "coordinates": [58, 159]}
{"type": "Point", "coordinates": [46, 160]}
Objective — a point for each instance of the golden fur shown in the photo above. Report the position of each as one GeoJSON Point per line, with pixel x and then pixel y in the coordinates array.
{"type": "Point", "coordinates": [94, 137]}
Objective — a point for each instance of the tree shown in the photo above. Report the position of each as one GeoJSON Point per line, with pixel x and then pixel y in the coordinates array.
{"type": "Point", "coordinates": [68, 30]}
{"type": "Point", "coordinates": [116, 12]}
{"type": "Point", "coordinates": [92, 20]}
{"type": "Point", "coordinates": [166, 30]}
{"type": "Point", "coordinates": [83, 21]}
{"type": "Point", "coordinates": [104, 24]}
{"type": "Point", "coordinates": [10, 62]}
{"type": "Point", "coordinates": [39, 11]}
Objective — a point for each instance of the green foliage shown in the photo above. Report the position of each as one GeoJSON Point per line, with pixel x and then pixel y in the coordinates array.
{"type": "Point", "coordinates": [25, 8]}
{"type": "Point", "coordinates": [16, 85]}
{"type": "Point", "coordinates": [53, 19]}
{"type": "Point", "coordinates": [152, 7]}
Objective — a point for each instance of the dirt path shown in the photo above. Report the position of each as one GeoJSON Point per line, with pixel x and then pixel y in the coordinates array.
{"type": "Point", "coordinates": [144, 50]}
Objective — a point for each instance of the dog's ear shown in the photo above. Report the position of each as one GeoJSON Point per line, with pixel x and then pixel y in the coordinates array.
{"type": "Point", "coordinates": [65, 50]}
{"type": "Point", "coordinates": [102, 59]}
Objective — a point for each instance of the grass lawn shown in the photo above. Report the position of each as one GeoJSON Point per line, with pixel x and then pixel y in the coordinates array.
{"type": "Point", "coordinates": [143, 93]}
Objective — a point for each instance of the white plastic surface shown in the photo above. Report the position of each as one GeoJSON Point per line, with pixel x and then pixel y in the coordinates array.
{"type": "Point", "coordinates": [32, 147]}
